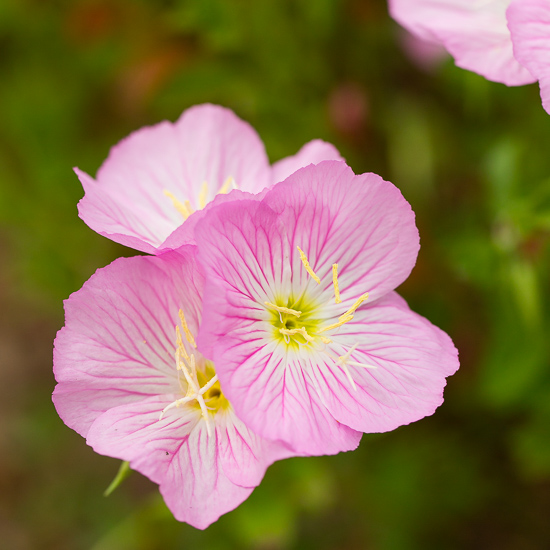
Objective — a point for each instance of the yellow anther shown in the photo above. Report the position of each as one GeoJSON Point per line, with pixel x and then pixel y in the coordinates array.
{"type": "Point", "coordinates": [335, 282]}
{"type": "Point", "coordinates": [181, 207]}
{"type": "Point", "coordinates": [357, 303]}
{"type": "Point", "coordinates": [307, 267]}
{"type": "Point", "coordinates": [188, 334]}
{"type": "Point", "coordinates": [325, 340]}
{"type": "Point", "coordinates": [301, 331]}
{"type": "Point", "coordinates": [282, 309]}
{"type": "Point", "coordinates": [227, 186]}
{"type": "Point", "coordinates": [180, 350]}
{"type": "Point", "coordinates": [203, 195]}
{"type": "Point", "coordinates": [342, 321]}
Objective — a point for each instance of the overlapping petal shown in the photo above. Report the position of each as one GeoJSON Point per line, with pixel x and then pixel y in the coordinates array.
{"type": "Point", "coordinates": [119, 386]}
{"type": "Point", "coordinates": [312, 152]}
{"type": "Point", "coordinates": [529, 23]}
{"type": "Point", "coordinates": [117, 345]}
{"type": "Point", "coordinates": [475, 34]}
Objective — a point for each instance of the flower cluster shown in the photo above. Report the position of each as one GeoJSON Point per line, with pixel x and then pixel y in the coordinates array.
{"type": "Point", "coordinates": [505, 41]}
{"type": "Point", "coordinates": [265, 325]}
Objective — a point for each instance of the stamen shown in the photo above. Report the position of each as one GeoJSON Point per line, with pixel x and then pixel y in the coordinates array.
{"type": "Point", "coordinates": [282, 309]}
{"type": "Point", "coordinates": [227, 186]}
{"type": "Point", "coordinates": [357, 303]}
{"type": "Point", "coordinates": [302, 331]}
{"type": "Point", "coordinates": [180, 350]}
{"type": "Point", "coordinates": [325, 340]}
{"type": "Point", "coordinates": [178, 205]}
{"type": "Point", "coordinates": [203, 195]}
{"type": "Point", "coordinates": [343, 361]}
{"type": "Point", "coordinates": [307, 267]}
{"type": "Point", "coordinates": [341, 321]}
{"type": "Point", "coordinates": [335, 283]}
{"type": "Point", "coordinates": [188, 334]}
{"type": "Point", "coordinates": [364, 365]}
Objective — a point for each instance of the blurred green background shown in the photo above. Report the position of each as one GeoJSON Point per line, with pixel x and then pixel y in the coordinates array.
{"type": "Point", "coordinates": [472, 157]}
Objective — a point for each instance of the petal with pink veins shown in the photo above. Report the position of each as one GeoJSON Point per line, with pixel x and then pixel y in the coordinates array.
{"type": "Point", "coordinates": [118, 342]}
{"type": "Point", "coordinates": [411, 357]}
{"type": "Point", "coordinates": [175, 452]}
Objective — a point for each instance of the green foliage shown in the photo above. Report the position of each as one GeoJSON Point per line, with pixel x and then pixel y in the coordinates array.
{"type": "Point", "coordinates": [470, 155]}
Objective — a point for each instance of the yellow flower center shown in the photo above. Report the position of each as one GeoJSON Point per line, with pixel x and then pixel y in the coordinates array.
{"type": "Point", "coordinates": [296, 321]}
{"type": "Point", "coordinates": [202, 388]}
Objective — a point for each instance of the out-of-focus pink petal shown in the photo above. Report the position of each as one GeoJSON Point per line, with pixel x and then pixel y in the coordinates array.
{"type": "Point", "coordinates": [127, 202]}
{"type": "Point", "coordinates": [529, 23]}
{"type": "Point", "coordinates": [362, 223]}
{"type": "Point", "coordinates": [312, 152]}
{"type": "Point", "coordinates": [474, 33]}
{"type": "Point", "coordinates": [118, 342]}
{"type": "Point", "coordinates": [175, 452]}
{"type": "Point", "coordinates": [412, 358]}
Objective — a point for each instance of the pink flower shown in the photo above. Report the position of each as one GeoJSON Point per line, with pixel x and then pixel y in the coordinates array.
{"type": "Point", "coordinates": [475, 33]}
{"type": "Point", "coordinates": [299, 315]}
{"type": "Point", "coordinates": [529, 22]}
{"type": "Point", "coordinates": [157, 177]}
{"type": "Point", "coordinates": [132, 381]}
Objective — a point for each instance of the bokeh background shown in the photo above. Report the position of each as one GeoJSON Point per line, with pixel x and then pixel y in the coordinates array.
{"type": "Point", "coordinates": [473, 159]}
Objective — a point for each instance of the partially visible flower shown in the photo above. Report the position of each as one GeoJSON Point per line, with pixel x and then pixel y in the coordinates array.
{"type": "Point", "coordinates": [131, 379]}
{"type": "Point", "coordinates": [157, 177]}
{"type": "Point", "coordinates": [529, 22]}
{"type": "Point", "coordinates": [300, 316]}
{"type": "Point", "coordinates": [475, 33]}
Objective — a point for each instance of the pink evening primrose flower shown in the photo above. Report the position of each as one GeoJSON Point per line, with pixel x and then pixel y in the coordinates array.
{"type": "Point", "coordinates": [157, 177]}
{"type": "Point", "coordinates": [475, 32]}
{"type": "Point", "coordinates": [300, 316]}
{"type": "Point", "coordinates": [131, 379]}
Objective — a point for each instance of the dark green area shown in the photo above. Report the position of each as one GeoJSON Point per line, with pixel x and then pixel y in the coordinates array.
{"type": "Point", "coordinates": [471, 156]}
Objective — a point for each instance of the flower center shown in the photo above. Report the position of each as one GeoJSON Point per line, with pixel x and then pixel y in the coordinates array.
{"type": "Point", "coordinates": [185, 208]}
{"type": "Point", "coordinates": [202, 389]}
{"type": "Point", "coordinates": [296, 322]}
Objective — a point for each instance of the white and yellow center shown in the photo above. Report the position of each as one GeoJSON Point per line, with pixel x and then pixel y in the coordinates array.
{"type": "Point", "coordinates": [298, 324]}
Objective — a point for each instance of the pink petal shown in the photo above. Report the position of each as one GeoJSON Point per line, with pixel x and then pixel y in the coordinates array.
{"type": "Point", "coordinates": [273, 395]}
{"type": "Point", "coordinates": [474, 33]}
{"type": "Point", "coordinates": [208, 143]}
{"type": "Point", "coordinates": [362, 223]}
{"type": "Point", "coordinates": [529, 22]}
{"type": "Point", "coordinates": [118, 342]}
{"type": "Point", "coordinates": [312, 152]}
{"type": "Point", "coordinates": [412, 357]}
{"type": "Point", "coordinates": [175, 452]}
{"type": "Point", "coordinates": [244, 456]}
{"type": "Point", "coordinates": [185, 233]}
